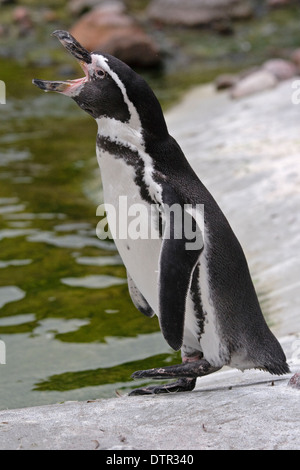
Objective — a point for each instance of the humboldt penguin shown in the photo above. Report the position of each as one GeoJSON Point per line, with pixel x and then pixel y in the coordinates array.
{"type": "Point", "coordinates": [191, 270]}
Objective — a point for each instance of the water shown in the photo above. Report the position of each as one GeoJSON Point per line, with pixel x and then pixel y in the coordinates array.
{"type": "Point", "coordinates": [70, 329]}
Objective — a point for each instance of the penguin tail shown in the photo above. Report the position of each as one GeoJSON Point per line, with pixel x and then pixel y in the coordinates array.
{"type": "Point", "coordinates": [268, 354]}
{"type": "Point", "coordinates": [279, 368]}
{"type": "Point", "coordinates": [272, 358]}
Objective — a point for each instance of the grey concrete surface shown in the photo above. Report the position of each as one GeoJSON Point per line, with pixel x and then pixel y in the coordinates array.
{"type": "Point", "coordinates": [229, 410]}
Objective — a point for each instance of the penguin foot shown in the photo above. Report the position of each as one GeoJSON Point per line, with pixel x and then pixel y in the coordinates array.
{"type": "Point", "coordinates": [181, 385]}
{"type": "Point", "coordinates": [186, 369]}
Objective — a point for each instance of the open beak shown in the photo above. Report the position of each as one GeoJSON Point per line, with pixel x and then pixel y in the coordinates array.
{"type": "Point", "coordinates": [68, 87]}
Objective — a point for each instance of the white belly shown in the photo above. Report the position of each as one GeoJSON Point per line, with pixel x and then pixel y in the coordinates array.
{"type": "Point", "coordinates": [138, 250]}
{"type": "Point", "coordinates": [140, 255]}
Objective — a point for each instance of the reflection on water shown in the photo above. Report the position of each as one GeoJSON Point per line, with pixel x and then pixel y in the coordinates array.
{"type": "Point", "coordinates": [93, 282]}
{"type": "Point", "coordinates": [12, 155]}
{"type": "Point", "coordinates": [17, 320]}
{"type": "Point", "coordinates": [99, 260]}
{"type": "Point", "coordinates": [10, 294]}
{"type": "Point", "coordinates": [69, 326]}
{"type": "Point", "coordinates": [66, 241]}
{"type": "Point", "coordinates": [14, 262]}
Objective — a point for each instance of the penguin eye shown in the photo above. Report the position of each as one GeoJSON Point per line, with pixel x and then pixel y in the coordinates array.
{"type": "Point", "coordinates": [100, 73]}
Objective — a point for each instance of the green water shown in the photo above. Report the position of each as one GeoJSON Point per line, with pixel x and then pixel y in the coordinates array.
{"type": "Point", "coordinates": [70, 329]}
{"type": "Point", "coordinates": [69, 326]}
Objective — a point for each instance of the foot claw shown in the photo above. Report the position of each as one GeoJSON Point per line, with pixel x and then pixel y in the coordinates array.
{"type": "Point", "coordinates": [181, 385]}
{"type": "Point", "coordinates": [140, 374]}
{"type": "Point", "coordinates": [142, 391]}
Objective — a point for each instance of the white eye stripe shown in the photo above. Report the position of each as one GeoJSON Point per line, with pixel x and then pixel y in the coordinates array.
{"type": "Point", "coordinates": [99, 61]}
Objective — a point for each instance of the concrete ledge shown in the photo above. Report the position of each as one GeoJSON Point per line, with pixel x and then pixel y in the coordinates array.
{"type": "Point", "coordinates": [227, 410]}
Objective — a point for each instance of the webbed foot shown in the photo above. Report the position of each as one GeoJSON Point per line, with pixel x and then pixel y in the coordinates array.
{"type": "Point", "coordinates": [187, 372]}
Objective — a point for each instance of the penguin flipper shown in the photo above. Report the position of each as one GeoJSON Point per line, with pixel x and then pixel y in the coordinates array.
{"type": "Point", "coordinates": [138, 299]}
{"type": "Point", "coordinates": [178, 258]}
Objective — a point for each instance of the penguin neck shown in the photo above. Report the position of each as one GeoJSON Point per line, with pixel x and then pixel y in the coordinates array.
{"type": "Point", "coordinates": [123, 133]}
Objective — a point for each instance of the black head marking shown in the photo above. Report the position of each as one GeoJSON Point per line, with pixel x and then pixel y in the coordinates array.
{"type": "Point", "coordinates": [101, 97]}
{"type": "Point", "coordinates": [111, 89]}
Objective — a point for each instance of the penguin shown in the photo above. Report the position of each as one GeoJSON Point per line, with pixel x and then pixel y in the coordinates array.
{"type": "Point", "coordinates": [196, 281]}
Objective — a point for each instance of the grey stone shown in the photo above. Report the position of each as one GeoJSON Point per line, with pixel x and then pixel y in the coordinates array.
{"type": "Point", "coordinates": [255, 82]}
{"type": "Point", "coordinates": [295, 381]}
{"type": "Point", "coordinates": [224, 81]}
{"type": "Point", "coordinates": [281, 68]}
{"type": "Point", "coordinates": [197, 12]}
{"type": "Point", "coordinates": [110, 29]}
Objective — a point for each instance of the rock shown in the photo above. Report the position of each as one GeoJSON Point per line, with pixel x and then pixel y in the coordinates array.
{"type": "Point", "coordinates": [280, 68]}
{"type": "Point", "coordinates": [78, 7]}
{"type": "Point", "coordinates": [20, 14]}
{"type": "Point", "coordinates": [249, 71]}
{"type": "Point", "coordinates": [294, 381]}
{"type": "Point", "coordinates": [223, 27]}
{"type": "Point", "coordinates": [109, 29]}
{"type": "Point", "coordinates": [295, 57]}
{"type": "Point", "coordinates": [22, 17]}
{"type": "Point", "coordinates": [3, 30]}
{"type": "Point", "coordinates": [279, 3]}
{"type": "Point", "coordinates": [258, 79]}
{"type": "Point", "coordinates": [253, 83]}
{"type": "Point", "coordinates": [226, 80]}
{"type": "Point", "coordinates": [49, 15]}
{"type": "Point", "coordinates": [198, 12]}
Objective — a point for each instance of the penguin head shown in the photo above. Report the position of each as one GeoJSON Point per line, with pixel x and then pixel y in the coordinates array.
{"type": "Point", "coordinates": [109, 89]}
